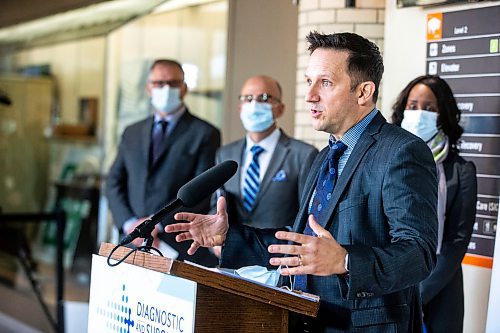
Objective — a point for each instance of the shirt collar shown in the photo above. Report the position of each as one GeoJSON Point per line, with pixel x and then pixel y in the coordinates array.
{"type": "Point", "coordinates": [173, 118]}
{"type": "Point", "coordinates": [352, 135]}
{"type": "Point", "coordinates": [268, 143]}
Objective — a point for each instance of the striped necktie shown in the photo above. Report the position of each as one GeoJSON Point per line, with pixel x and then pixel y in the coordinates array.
{"type": "Point", "coordinates": [252, 182]}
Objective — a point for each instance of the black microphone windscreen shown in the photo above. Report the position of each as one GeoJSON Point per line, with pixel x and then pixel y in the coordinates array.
{"type": "Point", "coordinates": [206, 183]}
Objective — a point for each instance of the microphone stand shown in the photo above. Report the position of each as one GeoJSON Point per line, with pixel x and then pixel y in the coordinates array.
{"type": "Point", "coordinates": [147, 244]}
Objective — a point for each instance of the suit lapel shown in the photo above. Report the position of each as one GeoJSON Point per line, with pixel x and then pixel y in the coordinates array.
{"type": "Point", "coordinates": [451, 183]}
{"type": "Point", "coordinates": [276, 162]}
{"type": "Point", "coordinates": [239, 152]}
{"type": "Point", "coordinates": [365, 141]}
{"type": "Point", "coordinates": [309, 187]}
{"type": "Point", "coordinates": [146, 133]}
{"type": "Point", "coordinates": [352, 163]}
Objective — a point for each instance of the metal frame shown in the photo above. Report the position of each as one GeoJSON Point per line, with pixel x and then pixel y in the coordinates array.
{"type": "Point", "coordinates": [60, 218]}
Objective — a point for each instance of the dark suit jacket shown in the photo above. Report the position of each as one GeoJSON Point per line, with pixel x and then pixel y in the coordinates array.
{"type": "Point", "coordinates": [383, 211]}
{"type": "Point", "coordinates": [443, 290]}
{"type": "Point", "coordinates": [134, 187]}
{"type": "Point", "coordinates": [278, 199]}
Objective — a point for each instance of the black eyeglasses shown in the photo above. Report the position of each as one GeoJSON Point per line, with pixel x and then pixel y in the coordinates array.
{"type": "Point", "coordinates": [170, 83]}
{"type": "Point", "coordinates": [262, 98]}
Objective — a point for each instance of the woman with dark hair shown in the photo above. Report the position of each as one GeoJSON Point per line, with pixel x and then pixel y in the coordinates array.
{"type": "Point", "coordinates": [427, 108]}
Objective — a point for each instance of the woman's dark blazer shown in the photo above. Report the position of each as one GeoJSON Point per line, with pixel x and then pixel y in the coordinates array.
{"type": "Point", "coordinates": [442, 291]}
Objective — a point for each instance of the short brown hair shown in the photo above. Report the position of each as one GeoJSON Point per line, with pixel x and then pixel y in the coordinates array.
{"type": "Point", "coordinates": [167, 62]}
{"type": "Point", "coordinates": [364, 62]}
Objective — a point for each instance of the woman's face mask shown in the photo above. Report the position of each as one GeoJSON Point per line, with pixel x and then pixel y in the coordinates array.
{"type": "Point", "coordinates": [421, 123]}
{"type": "Point", "coordinates": [166, 99]}
{"type": "Point", "coordinates": [256, 116]}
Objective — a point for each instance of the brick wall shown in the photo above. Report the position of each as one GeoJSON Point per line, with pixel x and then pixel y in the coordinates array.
{"type": "Point", "coordinates": [328, 16]}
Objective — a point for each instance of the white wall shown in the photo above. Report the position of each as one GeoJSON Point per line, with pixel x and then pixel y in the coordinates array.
{"type": "Point", "coordinates": [404, 52]}
{"type": "Point", "coordinates": [404, 59]}
{"type": "Point", "coordinates": [262, 39]}
{"type": "Point", "coordinates": [476, 293]}
{"type": "Point", "coordinates": [330, 16]}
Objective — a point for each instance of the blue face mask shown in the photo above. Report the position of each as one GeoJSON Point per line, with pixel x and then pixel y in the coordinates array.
{"type": "Point", "coordinates": [166, 99]}
{"type": "Point", "coordinates": [421, 123]}
{"type": "Point", "coordinates": [256, 117]}
{"type": "Point", "coordinates": [260, 274]}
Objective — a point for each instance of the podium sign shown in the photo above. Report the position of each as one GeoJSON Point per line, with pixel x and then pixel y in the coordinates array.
{"type": "Point", "coordinates": [153, 294]}
{"type": "Point", "coordinates": [127, 298]}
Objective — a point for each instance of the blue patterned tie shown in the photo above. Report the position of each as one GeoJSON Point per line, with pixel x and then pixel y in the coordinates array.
{"type": "Point", "coordinates": [159, 130]}
{"type": "Point", "coordinates": [322, 194]}
{"type": "Point", "coordinates": [252, 182]}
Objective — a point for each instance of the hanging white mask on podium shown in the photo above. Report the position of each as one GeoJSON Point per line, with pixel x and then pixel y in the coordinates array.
{"type": "Point", "coordinates": [260, 274]}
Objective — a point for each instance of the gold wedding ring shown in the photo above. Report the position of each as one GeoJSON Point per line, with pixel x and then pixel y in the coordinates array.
{"type": "Point", "coordinates": [300, 260]}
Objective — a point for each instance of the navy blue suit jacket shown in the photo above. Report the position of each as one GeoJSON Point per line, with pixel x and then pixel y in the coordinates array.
{"type": "Point", "coordinates": [383, 211]}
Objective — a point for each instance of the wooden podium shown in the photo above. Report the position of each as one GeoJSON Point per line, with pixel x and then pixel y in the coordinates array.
{"type": "Point", "coordinates": [226, 303]}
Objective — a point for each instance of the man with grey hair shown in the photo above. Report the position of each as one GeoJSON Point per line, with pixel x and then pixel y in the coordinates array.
{"type": "Point", "coordinates": [158, 155]}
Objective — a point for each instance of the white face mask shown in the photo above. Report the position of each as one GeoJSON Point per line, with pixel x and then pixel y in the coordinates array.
{"type": "Point", "coordinates": [421, 123]}
{"type": "Point", "coordinates": [256, 117]}
{"type": "Point", "coordinates": [260, 274]}
{"type": "Point", "coordinates": [166, 99]}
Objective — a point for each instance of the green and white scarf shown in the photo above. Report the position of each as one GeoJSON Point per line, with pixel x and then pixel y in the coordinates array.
{"type": "Point", "coordinates": [440, 147]}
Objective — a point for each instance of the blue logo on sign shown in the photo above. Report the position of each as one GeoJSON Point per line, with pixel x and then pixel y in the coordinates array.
{"type": "Point", "coordinates": [118, 314]}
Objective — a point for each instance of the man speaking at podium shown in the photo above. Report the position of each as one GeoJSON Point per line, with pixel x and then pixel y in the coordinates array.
{"type": "Point", "coordinates": [366, 232]}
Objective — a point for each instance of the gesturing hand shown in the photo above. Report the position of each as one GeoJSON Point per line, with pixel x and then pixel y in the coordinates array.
{"type": "Point", "coordinates": [204, 230]}
{"type": "Point", "coordinates": [320, 255]}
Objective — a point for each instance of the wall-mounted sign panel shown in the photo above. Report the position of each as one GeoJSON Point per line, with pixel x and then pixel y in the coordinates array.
{"type": "Point", "coordinates": [463, 47]}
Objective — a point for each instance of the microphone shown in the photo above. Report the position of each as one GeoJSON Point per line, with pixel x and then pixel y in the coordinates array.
{"type": "Point", "coordinates": [189, 195]}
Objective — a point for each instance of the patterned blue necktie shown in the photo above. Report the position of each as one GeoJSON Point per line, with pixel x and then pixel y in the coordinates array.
{"type": "Point", "coordinates": [324, 187]}
{"type": "Point", "coordinates": [252, 182]}
{"type": "Point", "coordinates": [159, 130]}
